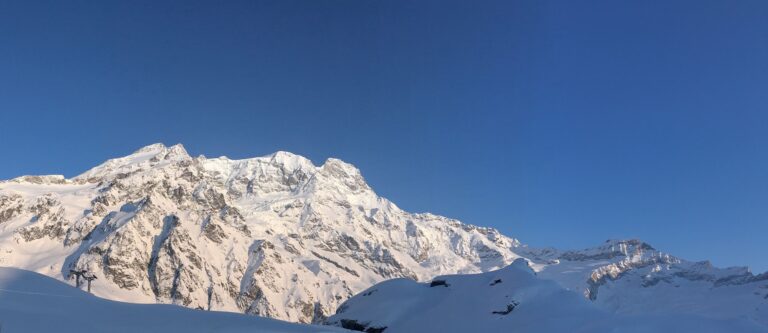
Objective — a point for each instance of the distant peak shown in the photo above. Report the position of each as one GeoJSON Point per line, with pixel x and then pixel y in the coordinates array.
{"type": "Point", "coordinates": [290, 160]}
{"type": "Point", "coordinates": [282, 155]}
{"type": "Point", "coordinates": [163, 151]}
{"type": "Point", "coordinates": [145, 157]}
{"type": "Point", "coordinates": [177, 150]}
{"type": "Point", "coordinates": [337, 164]}
{"type": "Point", "coordinates": [152, 148]}
{"type": "Point", "coordinates": [629, 242]}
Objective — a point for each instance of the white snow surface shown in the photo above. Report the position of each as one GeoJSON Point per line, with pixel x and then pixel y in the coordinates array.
{"type": "Point", "coordinates": [30, 302]}
{"type": "Point", "coordinates": [512, 299]}
{"type": "Point", "coordinates": [280, 237]}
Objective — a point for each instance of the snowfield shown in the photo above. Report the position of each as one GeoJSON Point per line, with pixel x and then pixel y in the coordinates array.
{"type": "Point", "coordinates": [512, 299]}
{"type": "Point", "coordinates": [31, 302]}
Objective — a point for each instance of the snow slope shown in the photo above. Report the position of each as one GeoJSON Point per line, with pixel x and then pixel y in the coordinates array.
{"type": "Point", "coordinates": [30, 302]}
{"type": "Point", "coordinates": [512, 299]}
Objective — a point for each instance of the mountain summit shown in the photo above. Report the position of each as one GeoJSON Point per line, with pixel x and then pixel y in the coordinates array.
{"type": "Point", "coordinates": [280, 237]}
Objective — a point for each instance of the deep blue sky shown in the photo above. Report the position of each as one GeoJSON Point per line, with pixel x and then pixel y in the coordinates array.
{"type": "Point", "coordinates": [561, 123]}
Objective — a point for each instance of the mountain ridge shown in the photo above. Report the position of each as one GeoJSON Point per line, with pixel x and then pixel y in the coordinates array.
{"type": "Point", "coordinates": [281, 237]}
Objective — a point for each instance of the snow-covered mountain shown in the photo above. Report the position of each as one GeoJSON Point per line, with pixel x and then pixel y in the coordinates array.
{"type": "Point", "coordinates": [512, 299]}
{"type": "Point", "coordinates": [32, 303]}
{"type": "Point", "coordinates": [280, 237]}
{"type": "Point", "coordinates": [274, 236]}
{"type": "Point", "coordinates": [631, 277]}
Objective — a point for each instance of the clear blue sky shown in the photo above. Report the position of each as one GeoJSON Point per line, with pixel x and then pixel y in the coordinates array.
{"type": "Point", "coordinates": [561, 123]}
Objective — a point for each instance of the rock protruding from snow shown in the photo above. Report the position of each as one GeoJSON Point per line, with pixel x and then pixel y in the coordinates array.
{"type": "Point", "coordinates": [43, 179]}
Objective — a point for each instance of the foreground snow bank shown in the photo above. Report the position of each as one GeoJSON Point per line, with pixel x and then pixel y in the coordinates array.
{"type": "Point", "coordinates": [30, 302]}
{"type": "Point", "coordinates": [513, 299]}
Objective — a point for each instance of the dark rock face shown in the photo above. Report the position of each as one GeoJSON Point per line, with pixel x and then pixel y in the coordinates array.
{"type": "Point", "coordinates": [437, 283]}
{"type": "Point", "coordinates": [47, 221]}
{"type": "Point", "coordinates": [362, 327]}
{"type": "Point", "coordinates": [10, 207]}
{"type": "Point", "coordinates": [610, 251]}
{"type": "Point", "coordinates": [510, 307]}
